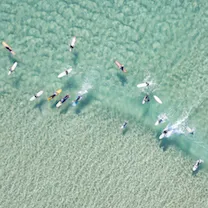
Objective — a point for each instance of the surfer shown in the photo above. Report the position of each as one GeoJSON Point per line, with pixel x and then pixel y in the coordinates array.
{"type": "Point", "coordinates": [54, 95]}
{"type": "Point", "coordinates": [146, 99]}
{"type": "Point", "coordinates": [122, 68]}
{"type": "Point", "coordinates": [64, 99]}
{"type": "Point", "coordinates": [147, 84]}
{"type": "Point", "coordinates": [196, 165]}
{"type": "Point", "coordinates": [124, 125]}
{"type": "Point", "coordinates": [79, 97]}
{"type": "Point", "coordinates": [8, 48]}
{"type": "Point", "coordinates": [190, 131]}
{"type": "Point", "coordinates": [72, 43]}
{"type": "Point", "coordinates": [161, 119]}
{"type": "Point", "coordinates": [165, 132]}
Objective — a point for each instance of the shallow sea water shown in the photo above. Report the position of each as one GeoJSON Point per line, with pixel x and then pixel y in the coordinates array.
{"type": "Point", "coordinates": [77, 156]}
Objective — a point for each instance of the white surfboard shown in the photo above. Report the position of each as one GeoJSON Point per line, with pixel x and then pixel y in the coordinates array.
{"type": "Point", "coordinates": [143, 101]}
{"type": "Point", "coordinates": [36, 95]}
{"type": "Point", "coordinates": [72, 43]}
{"type": "Point", "coordinates": [58, 104]}
{"type": "Point", "coordinates": [157, 99]}
{"type": "Point", "coordinates": [62, 74]}
{"type": "Point", "coordinates": [143, 85]}
{"type": "Point", "coordinates": [157, 122]}
{"type": "Point", "coordinates": [12, 68]}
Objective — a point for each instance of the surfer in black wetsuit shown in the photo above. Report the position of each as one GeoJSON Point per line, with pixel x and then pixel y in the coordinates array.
{"type": "Point", "coordinates": [146, 98]}
{"type": "Point", "coordinates": [124, 125]}
{"type": "Point", "coordinates": [122, 68]}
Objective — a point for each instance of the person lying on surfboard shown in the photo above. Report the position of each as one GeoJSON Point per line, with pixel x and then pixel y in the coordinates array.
{"type": "Point", "coordinates": [120, 66]}
{"type": "Point", "coordinates": [124, 125]}
{"type": "Point", "coordinates": [190, 131]}
{"type": "Point", "coordinates": [79, 97]}
{"type": "Point", "coordinates": [72, 43]}
{"type": "Point", "coordinates": [146, 99]}
{"type": "Point", "coordinates": [8, 48]}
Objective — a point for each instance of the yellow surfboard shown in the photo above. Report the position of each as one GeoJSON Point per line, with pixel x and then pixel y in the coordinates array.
{"type": "Point", "coordinates": [55, 94]}
{"type": "Point", "coordinates": [8, 47]}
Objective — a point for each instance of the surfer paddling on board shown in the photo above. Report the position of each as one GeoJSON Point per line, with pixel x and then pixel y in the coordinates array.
{"type": "Point", "coordinates": [8, 48]}
{"type": "Point", "coordinates": [124, 125]}
{"type": "Point", "coordinates": [146, 99]}
{"type": "Point", "coordinates": [72, 43]}
{"type": "Point", "coordinates": [190, 131]}
{"type": "Point", "coordinates": [75, 102]}
{"type": "Point", "coordinates": [120, 66]}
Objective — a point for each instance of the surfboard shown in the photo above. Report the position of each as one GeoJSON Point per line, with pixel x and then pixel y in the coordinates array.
{"type": "Point", "coordinates": [119, 65]}
{"type": "Point", "coordinates": [74, 103]}
{"type": "Point", "coordinates": [157, 99]}
{"type": "Point", "coordinates": [36, 96]}
{"type": "Point", "coordinates": [143, 101]}
{"type": "Point", "coordinates": [162, 136]}
{"type": "Point", "coordinates": [157, 122]}
{"type": "Point", "coordinates": [58, 104]}
{"type": "Point", "coordinates": [72, 43]}
{"type": "Point", "coordinates": [8, 47]}
{"type": "Point", "coordinates": [142, 85]}
{"type": "Point", "coordinates": [57, 92]}
{"type": "Point", "coordinates": [12, 68]}
{"type": "Point", "coordinates": [62, 74]}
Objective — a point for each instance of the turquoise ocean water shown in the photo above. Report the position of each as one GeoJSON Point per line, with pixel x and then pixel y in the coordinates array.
{"type": "Point", "coordinates": [77, 156]}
